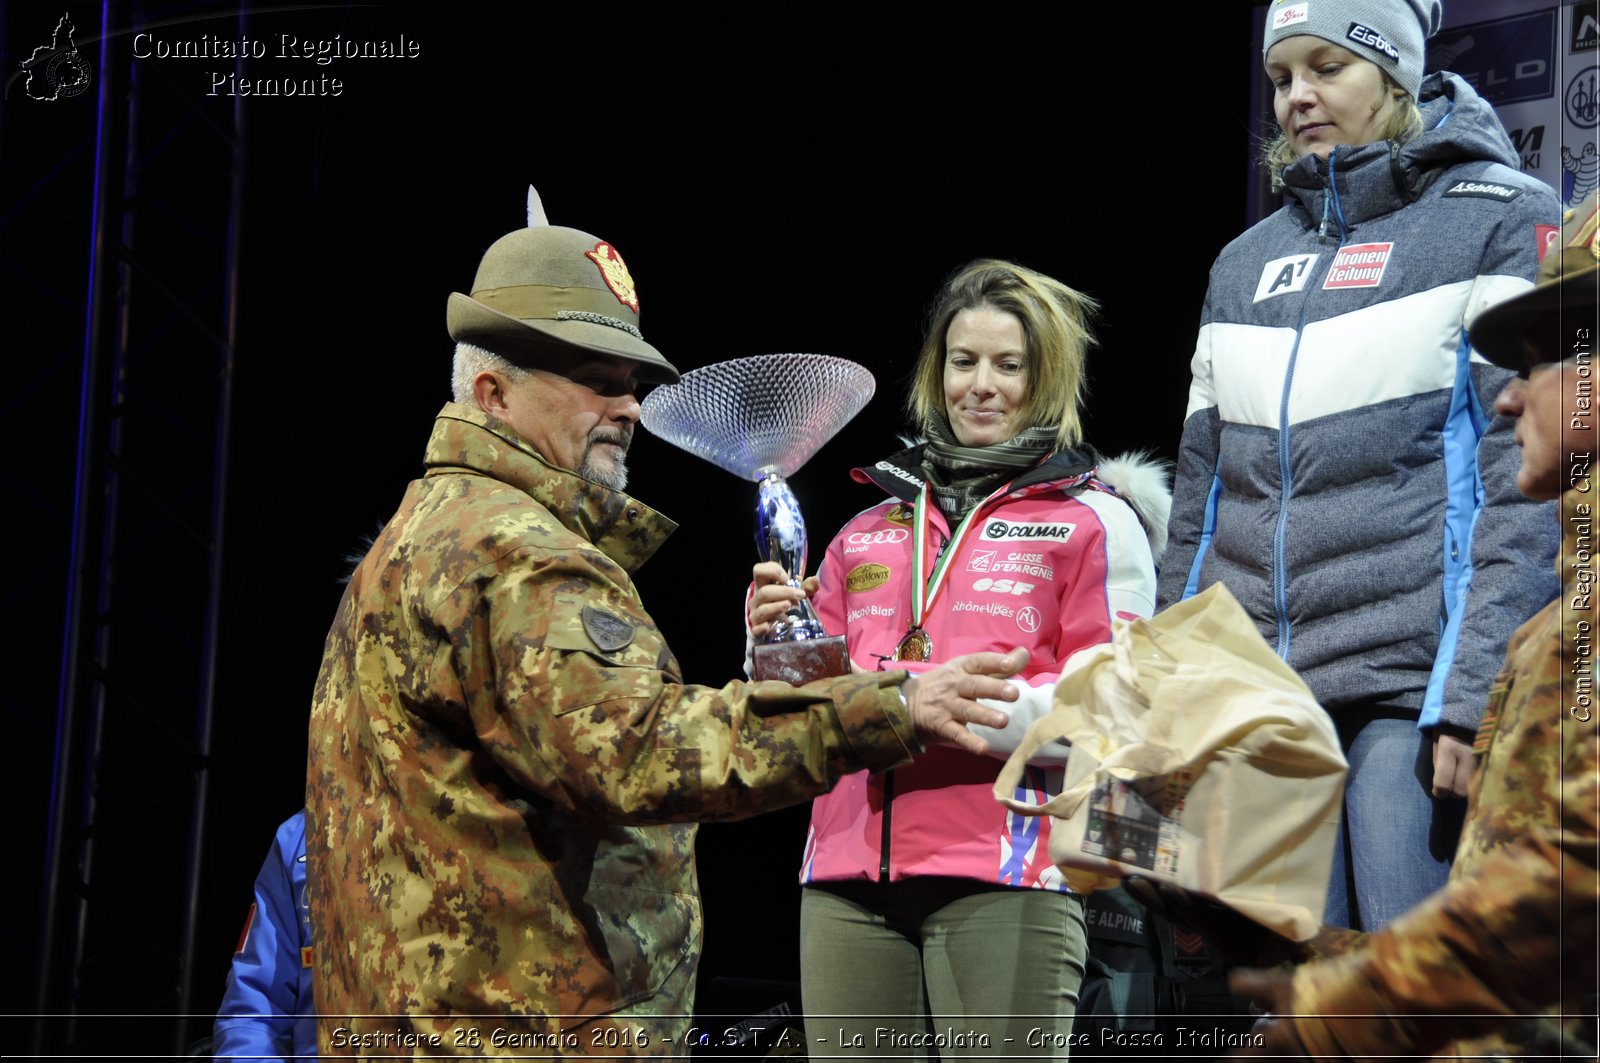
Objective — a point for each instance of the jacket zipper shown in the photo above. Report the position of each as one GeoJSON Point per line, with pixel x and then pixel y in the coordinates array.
{"type": "Point", "coordinates": [1280, 583]}
{"type": "Point", "coordinates": [883, 848]}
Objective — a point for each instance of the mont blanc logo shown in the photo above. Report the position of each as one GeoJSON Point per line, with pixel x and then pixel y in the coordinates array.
{"type": "Point", "coordinates": [878, 538]}
{"type": "Point", "coordinates": [1483, 190]}
{"type": "Point", "coordinates": [1284, 275]}
{"type": "Point", "coordinates": [1358, 266]}
{"type": "Point", "coordinates": [1012, 530]}
{"type": "Point", "coordinates": [1373, 39]}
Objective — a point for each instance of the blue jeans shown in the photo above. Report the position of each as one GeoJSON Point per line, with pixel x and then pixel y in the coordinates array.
{"type": "Point", "coordinates": [1391, 828]}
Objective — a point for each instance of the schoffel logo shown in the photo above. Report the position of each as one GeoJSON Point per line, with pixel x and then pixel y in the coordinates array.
{"type": "Point", "coordinates": [1483, 190]}
{"type": "Point", "coordinates": [1002, 586]}
{"type": "Point", "coordinates": [57, 71]}
{"type": "Point", "coordinates": [895, 470]}
{"type": "Point", "coordinates": [1373, 39]}
{"type": "Point", "coordinates": [1007, 531]}
{"type": "Point", "coordinates": [1029, 619]}
{"type": "Point", "coordinates": [877, 538]}
{"type": "Point", "coordinates": [1358, 266]}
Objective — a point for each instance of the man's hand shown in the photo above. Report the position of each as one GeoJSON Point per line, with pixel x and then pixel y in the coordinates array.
{"type": "Point", "coordinates": [944, 700]}
{"type": "Point", "coordinates": [1273, 992]}
{"type": "Point", "coordinates": [1452, 765]}
{"type": "Point", "coordinates": [772, 597]}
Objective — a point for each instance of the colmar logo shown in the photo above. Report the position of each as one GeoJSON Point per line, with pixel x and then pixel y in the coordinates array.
{"type": "Point", "coordinates": [1284, 275]}
{"type": "Point", "coordinates": [1005, 531]}
{"type": "Point", "coordinates": [895, 470]}
{"type": "Point", "coordinates": [1373, 39]}
{"type": "Point", "coordinates": [1358, 266]}
{"type": "Point", "coordinates": [1291, 15]}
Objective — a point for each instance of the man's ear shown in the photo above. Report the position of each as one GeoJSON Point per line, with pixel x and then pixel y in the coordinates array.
{"type": "Point", "coordinates": [489, 389]}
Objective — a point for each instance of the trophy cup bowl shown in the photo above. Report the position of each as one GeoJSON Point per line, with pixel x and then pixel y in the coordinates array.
{"type": "Point", "coordinates": [761, 419]}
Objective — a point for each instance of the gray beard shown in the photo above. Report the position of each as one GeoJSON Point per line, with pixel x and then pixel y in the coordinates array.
{"type": "Point", "coordinates": [607, 474]}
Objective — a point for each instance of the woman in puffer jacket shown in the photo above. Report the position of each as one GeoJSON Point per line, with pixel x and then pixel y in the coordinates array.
{"type": "Point", "coordinates": [1342, 468]}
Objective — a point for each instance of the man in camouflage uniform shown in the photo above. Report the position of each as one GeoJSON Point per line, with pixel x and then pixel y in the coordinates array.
{"type": "Point", "coordinates": [505, 765]}
{"type": "Point", "coordinates": [1513, 934]}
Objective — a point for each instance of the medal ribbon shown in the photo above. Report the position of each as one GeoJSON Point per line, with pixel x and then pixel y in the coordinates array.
{"type": "Point", "coordinates": [923, 595]}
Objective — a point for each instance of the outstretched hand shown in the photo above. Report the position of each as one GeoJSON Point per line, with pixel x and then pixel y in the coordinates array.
{"type": "Point", "coordinates": [944, 700]}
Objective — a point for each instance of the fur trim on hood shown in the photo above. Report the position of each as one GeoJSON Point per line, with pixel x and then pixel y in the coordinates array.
{"type": "Point", "coordinates": [1145, 483]}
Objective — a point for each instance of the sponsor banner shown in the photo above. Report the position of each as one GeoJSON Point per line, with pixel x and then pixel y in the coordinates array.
{"type": "Point", "coordinates": [1506, 59]}
{"type": "Point", "coordinates": [1358, 266]}
{"type": "Point", "coordinates": [1025, 530]}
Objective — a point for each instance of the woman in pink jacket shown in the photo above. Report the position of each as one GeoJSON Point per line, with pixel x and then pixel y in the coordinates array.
{"type": "Point", "coordinates": [932, 917]}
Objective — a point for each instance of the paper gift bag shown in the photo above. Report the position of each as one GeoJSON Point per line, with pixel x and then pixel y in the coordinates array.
{"type": "Point", "coordinates": [1198, 758]}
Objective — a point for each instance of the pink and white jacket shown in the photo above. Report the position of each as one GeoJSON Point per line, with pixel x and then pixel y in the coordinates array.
{"type": "Point", "coordinates": [1047, 564]}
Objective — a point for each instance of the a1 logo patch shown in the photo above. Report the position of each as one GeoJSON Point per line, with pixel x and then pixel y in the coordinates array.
{"type": "Point", "coordinates": [1284, 275]}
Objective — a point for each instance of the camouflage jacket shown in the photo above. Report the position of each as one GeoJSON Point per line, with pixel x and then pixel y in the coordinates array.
{"type": "Point", "coordinates": [1513, 933]}
{"type": "Point", "coordinates": [505, 768]}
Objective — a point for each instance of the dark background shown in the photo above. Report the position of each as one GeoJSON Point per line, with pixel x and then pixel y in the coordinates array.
{"type": "Point", "coordinates": [795, 178]}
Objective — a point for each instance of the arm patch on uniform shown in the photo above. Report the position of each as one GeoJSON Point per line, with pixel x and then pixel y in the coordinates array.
{"type": "Point", "coordinates": [606, 630]}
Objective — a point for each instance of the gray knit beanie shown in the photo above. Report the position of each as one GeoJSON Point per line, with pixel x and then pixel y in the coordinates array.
{"type": "Point", "coordinates": [1387, 32]}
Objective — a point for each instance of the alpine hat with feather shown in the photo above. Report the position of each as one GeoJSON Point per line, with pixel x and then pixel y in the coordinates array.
{"type": "Point", "coordinates": [550, 283]}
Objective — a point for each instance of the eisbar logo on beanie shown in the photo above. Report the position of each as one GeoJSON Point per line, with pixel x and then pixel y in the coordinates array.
{"type": "Point", "coordinates": [1374, 40]}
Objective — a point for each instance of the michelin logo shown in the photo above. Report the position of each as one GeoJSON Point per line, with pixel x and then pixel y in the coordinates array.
{"type": "Point", "coordinates": [1373, 39]}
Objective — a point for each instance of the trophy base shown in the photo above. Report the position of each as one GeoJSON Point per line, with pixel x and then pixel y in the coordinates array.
{"type": "Point", "coordinates": [802, 661]}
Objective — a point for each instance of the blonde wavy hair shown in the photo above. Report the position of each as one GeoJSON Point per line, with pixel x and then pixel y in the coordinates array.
{"type": "Point", "coordinates": [1055, 326]}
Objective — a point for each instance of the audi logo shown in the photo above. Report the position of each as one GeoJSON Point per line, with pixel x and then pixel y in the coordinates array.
{"type": "Point", "coordinates": [886, 535]}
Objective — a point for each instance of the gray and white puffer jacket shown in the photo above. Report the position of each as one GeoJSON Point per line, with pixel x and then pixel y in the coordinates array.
{"type": "Point", "coordinates": [1342, 469]}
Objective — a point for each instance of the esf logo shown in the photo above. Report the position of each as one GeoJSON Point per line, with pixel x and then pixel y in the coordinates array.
{"type": "Point", "coordinates": [1373, 39]}
{"type": "Point", "coordinates": [875, 538]}
{"type": "Point", "coordinates": [1010, 531]}
{"type": "Point", "coordinates": [1002, 586]}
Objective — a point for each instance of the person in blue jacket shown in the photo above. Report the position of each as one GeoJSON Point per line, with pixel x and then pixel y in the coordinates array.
{"type": "Point", "coordinates": [1342, 468]}
{"type": "Point", "coordinates": [267, 1011]}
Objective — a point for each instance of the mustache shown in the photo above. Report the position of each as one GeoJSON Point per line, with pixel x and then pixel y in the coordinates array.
{"type": "Point", "coordinates": [615, 437]}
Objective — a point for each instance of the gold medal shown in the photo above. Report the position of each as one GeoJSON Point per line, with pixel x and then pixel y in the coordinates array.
{"type": "Point", "coordinates": [916, 646]}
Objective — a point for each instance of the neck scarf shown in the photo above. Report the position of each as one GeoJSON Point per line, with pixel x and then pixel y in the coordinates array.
{"type": "Point", "coordinates": [960, 477]}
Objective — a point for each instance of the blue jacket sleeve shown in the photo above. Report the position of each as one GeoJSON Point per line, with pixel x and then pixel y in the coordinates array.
{"type": "Point", "coordinates": [263, 994]}
{"type": "Point", "coordinates": [1194, 485]}
{"type": "Point", "coordinates": [1513, 540]}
